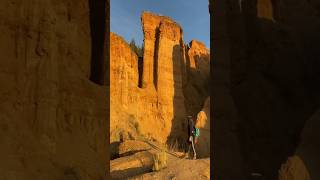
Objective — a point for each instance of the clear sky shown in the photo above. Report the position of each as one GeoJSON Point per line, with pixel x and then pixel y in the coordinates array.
{"type": "Point", "coordinates": [192, 15]}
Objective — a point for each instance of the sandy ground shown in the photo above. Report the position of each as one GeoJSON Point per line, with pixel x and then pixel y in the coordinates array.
{"type": "Point", "coordinates": [180, 169]}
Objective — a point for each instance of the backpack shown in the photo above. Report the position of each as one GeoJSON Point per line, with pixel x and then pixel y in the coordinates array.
{"type": "Point", "coordinates": [196, 132]}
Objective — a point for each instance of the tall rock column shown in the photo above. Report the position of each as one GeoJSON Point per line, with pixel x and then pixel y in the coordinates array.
{"type": "Point", "coordinates": [150, 25]}
{"type": "Point", "coordinates": [169, 75]}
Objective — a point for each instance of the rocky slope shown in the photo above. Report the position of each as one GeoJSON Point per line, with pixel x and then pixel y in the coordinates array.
{"type": "Point", "coordinates": [53, 118]}
{"type": "Point", "coordinates": [150, 101]}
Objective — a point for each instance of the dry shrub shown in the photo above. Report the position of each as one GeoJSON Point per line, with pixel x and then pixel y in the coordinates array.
{"type": "Point", "coordinates": [159, 161]}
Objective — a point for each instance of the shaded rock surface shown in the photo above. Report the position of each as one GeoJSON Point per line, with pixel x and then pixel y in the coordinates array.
{"type": "Point", "coordinates": [196, 89]}
{"type": "Point", "coordinates": [266, 56]}
{"type": "Point", "coordinates": [309, 145]}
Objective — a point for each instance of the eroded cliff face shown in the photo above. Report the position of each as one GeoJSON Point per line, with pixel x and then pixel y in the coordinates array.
{"type": "Point", "coordinates": [157, 108]}
{"type": "Point", "coordinates": [153, 107]}
{"type": "Point", "coordinates": [124, 71]}
{"type": "Point", "coordinates": [196, 89]}
{"type": "Point", "coordinates": [124, 91]}
{"type": "Point", "coordinates": [53, 118]}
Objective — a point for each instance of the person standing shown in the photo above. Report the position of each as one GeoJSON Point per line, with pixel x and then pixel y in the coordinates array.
{"type": "Point", "coordinates": [193, 134]}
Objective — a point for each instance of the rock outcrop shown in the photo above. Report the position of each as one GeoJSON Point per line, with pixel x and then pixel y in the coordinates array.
{"type": "Point", "coordinates": [203, 123]}
{"type": "Point", "coordinates": [196, 88]}
{"type": "Point", "coordinates": [162, 69]}
{"type": "Point", "coordinates": [52, 117]}
{"type": "Point", "coordinates": [128, 166]}
{"type": "Point", "coordinates": [156, 108]}
{"type": "Point", "coordinates": [294, 169]}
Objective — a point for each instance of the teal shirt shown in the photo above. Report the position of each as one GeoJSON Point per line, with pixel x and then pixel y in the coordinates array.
{"type": "Point", "coordinates": [197, 132]}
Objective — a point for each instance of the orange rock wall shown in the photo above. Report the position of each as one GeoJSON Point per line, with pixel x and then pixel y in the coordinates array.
{"type": "Point", "coordinates": [157, 109]}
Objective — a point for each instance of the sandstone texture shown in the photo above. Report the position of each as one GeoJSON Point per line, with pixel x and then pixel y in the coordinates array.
{"type": "Point", "coordinates": [124, 74]}
{"type": "Point", "coordinates": [294, 169]}
{"type": "Point", "coordinates": [150, 101]}
{"type": "Point", "coordinates": [132, 146]}
{"type": "Point", "coordinates": [128, 166]}
{"type": "Point", "coordinates": [52, 117]}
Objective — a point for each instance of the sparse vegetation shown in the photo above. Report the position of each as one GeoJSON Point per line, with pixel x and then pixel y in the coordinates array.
{"type": "Point", "coordinates": [176, 145]}
{"type": "Point", "coordinates": [159, 161]}
{"type": "Point", "coordinates": [137, 49]}
{"type": "Point", "coordinates": [133, 122]}
{"type": "Point", "coordinates": [173, 147]}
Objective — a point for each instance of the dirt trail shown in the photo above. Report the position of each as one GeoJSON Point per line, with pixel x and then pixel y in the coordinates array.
{"type": "Point", "coordinates": [138, 165]}
{"type": "Point", "coordinates": [180, 169]}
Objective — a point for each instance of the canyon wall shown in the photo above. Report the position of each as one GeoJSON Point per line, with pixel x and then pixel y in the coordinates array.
{"type": "Point", "coordinates": [124, 71]}
{"type": "Point", "coordinates": [53, 118]}
{"type": "Point", "coordinates": [270, 53]}
{"type": "Point", "coordinates": [153, 110]}
{"type": "Point", "coordinates": [124, 91]}
{"type": "Point", "coordinates": [196, 88]}
{"type": "Point", "coordinates": [156, 108]}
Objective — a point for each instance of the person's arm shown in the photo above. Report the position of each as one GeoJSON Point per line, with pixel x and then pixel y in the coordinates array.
{"type": "Point", "coordinates": [191, 127]}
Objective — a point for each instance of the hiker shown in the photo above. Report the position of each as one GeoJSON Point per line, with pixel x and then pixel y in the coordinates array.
{"type": "Point", "coordinates": [193, 133]}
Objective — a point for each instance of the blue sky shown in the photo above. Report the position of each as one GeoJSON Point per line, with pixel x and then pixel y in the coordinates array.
{"type": "Point", "coordinates": [192, 15]}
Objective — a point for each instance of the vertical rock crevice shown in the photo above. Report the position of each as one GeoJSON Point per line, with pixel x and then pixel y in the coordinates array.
{"type": "Point", "coordinates": [98, 26]}
{"type": "Point", "coordinates": [140, 71]}
{"type": "Point", "coordinates": [156, 57]}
